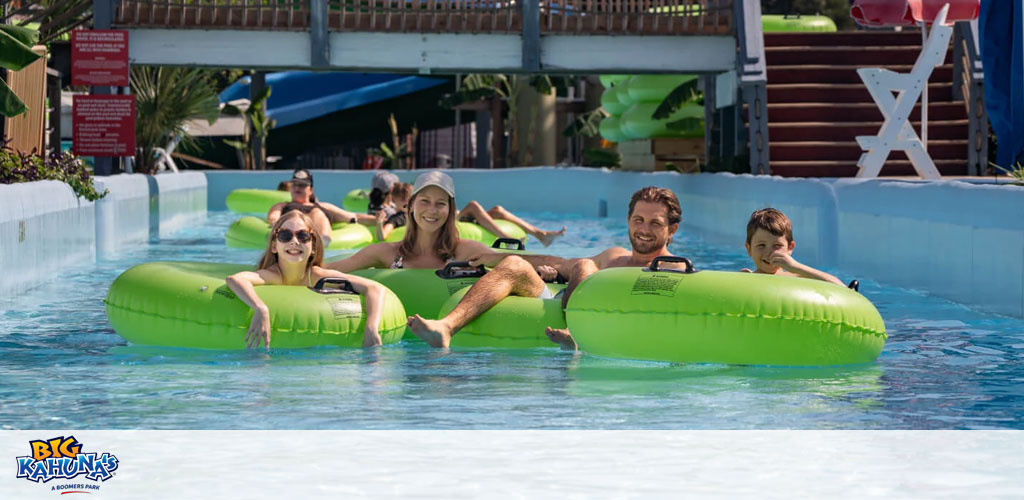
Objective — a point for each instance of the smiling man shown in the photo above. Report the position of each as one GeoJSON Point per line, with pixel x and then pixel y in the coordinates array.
{"type": "Point", "coordinates": [653, 219]}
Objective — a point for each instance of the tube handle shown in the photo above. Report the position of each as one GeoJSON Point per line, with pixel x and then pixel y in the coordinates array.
{"type": "Point", "coordinates": [460, 269]}
{"type": "Point", "coordinates": [343, 286]}
{"type": "Point", "coordinates": [672, 258]}
{"type": "Point", "coordinates": [498, 243]}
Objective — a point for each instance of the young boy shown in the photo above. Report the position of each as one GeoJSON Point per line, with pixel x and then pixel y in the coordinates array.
{"type": "Point", "coordinates": [770, 245]}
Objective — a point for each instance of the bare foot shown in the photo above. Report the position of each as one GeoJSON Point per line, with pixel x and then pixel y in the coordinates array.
{"type": "Point", "coordinates": [562, 337]}
{"type": "Point", "coordinates": [547, 237]}
{"type": "Point", "coordinates": [432, 331]}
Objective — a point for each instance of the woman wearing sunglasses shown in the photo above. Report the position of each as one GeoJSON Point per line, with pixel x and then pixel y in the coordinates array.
{"type": "Point", "coordinates": [294, 256]}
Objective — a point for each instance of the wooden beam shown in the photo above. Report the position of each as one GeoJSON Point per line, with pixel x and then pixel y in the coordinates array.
{"type": "Point", "coordinates": [442, 53]}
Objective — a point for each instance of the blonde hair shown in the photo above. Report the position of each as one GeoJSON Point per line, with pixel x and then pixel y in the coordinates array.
{"type": "Point", "coordinates": [447, 240]}
{"type": "Point", "coordinates": [316, 258]}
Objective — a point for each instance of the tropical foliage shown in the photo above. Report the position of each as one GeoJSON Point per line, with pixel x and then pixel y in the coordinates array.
{"type": "Point", "coordinates": [396, 155]}
{"type": "Point", "coordinates": [165, 99]}
{"type": "Point", "coordinates": [15, 53]}
{"type": "Point", "coordinates": [18, 167]}
{"type": "Point", "coordinates": [257, 128]}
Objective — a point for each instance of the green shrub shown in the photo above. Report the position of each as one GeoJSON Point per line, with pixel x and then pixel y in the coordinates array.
{"type": "Point", "coordinates": [18, 167]}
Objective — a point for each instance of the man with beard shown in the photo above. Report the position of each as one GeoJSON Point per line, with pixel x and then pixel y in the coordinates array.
{"type": "Point", "coordinates": [654, 216]}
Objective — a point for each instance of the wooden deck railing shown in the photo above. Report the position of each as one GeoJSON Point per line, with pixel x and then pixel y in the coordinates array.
{"type": "Point", "coordinates": [584, 17]}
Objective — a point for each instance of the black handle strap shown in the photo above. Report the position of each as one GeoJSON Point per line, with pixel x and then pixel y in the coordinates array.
{"type": "Point", "coordinates": [498, 243]}
{"type": "Point", "coordinates": [343, 286]}
{"type": "Point", "coordinates": [854, 285]}
{"type": "Point", "coordinates": [671, 258]}
{"type": "Point", "coordinates": [561, 280]}
{"type": "Point", "coordinates": [460, 269]}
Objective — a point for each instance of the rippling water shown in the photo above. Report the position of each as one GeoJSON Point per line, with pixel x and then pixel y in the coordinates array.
{"type": "Point", "coordinates": [61, 365]}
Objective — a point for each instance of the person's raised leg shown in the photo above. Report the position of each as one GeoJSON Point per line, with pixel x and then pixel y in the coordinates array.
{"type": "Point", "coordinates": [482, 218]}
{"type": "Point", "coordinates": [545, 237]}
{"type": "Point", "coordinates": [512, 276]}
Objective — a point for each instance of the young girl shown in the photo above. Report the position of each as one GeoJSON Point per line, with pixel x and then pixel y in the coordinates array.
{"type": "Point", "coordinates": [294, 256]}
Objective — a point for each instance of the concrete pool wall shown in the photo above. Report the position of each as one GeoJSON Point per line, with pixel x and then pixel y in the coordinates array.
{"type": "Point", "coordinates": [957, 240]}
{"type": "Point", "coordinates": [44, 227]}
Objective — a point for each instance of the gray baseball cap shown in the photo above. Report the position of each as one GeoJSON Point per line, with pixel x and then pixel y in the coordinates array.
{"type": "Point", "coordinates": [434, 178]}
{"type": "Point", "coordinates": [383, 180]}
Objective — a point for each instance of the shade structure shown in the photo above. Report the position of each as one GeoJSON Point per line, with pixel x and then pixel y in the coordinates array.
{"type": "Point", "coordinates": [298, 96]}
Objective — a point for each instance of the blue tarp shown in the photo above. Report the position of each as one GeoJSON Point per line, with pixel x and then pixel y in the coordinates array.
{"type": "Point", "coordinates": [297, 96]}
{"type": "Point", "coordinates": [1002, 56]}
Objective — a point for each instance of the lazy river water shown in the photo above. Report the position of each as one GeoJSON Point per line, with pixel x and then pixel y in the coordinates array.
{"type": "Point", "coordinates": [62, 366]}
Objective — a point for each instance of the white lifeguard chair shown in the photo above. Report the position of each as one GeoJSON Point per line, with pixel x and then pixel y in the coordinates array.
{"type": "Point", "coordinates": [896, 132]}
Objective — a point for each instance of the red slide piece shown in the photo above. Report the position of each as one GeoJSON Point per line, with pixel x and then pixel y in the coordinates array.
{"type": "Point", "coordinates": [959, 10]}
{"type": "Point", "coordinates": [882, 13]}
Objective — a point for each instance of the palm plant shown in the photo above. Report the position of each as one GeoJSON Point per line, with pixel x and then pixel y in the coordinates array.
{"type": "Point", "coordinates": [257, 128]}
{"type": "Point", "coordinates": [55, 17]}
{"type": "Point", "coordinates": [165, 99]}
{"type": "Point", "coordinates": [396, 155]}
{"type": "Point", "coordinates": [15, 53]}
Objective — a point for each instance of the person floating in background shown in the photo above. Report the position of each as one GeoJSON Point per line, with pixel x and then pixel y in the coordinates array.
{"type": "Point", "coordinates": [393, 218]}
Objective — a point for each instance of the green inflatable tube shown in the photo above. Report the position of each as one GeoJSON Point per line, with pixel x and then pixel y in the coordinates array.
{"type": "Point", "coordinates": [422, 291]}
{"type": "Point", "coordinates": [252, 232]}
{"type": "Point", "coordinates": [610, 101]}
{"type": "Point", "coordinates": [471, 231]}
{"type": "Point", "coordinates": [636, 123]}
{"type": "Point", "coordinates": [723, 317]}
{"type": "Point", "coordinates": [779, 23]}
{"type": "Point", "coordinates": [255, 201]}
{"type": "Point", "coordinates": [188, 304]}
{"type": "Point", "coordinates": [655, 88]}
{"type": "Point", "coordinates": [515, 322]}
{"type": "Point", "coordinates": [623, 94]}
{"type": "Point", "coordinates": [357, 200]}
{"type": "Point", "coordinates": [611, 129]}
{"type": "Point", "coordinates": [609, 81]}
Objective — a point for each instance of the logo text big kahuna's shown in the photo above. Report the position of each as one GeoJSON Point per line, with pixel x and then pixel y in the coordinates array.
{"type": "Point", "coordinates": [62, 458]}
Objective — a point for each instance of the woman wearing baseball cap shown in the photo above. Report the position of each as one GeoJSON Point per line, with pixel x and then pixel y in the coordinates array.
{"type": "Point", "coordinates": [432, 237]}
{"type": "Point", "coordinates": [322, 213]}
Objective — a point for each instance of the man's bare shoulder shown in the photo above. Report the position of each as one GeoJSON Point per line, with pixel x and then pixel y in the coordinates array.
{"type": "Point", "coordinates": [614, 257]}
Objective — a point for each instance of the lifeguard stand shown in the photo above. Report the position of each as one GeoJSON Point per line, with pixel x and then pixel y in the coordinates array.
{"type": "Point", "coordinates": [896, 132]}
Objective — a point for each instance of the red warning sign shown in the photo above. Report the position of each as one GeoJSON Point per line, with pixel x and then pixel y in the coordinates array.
{"type": "Point", "coordinates": [103, 125]}
{"type": "Point", "coordinates": [99, 57]}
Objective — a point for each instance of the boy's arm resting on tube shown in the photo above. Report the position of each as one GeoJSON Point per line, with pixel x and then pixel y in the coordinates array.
{"type": "Point", "coordinates": [789, 264]}
{"type": "Point", "coordinates": [243, 284]}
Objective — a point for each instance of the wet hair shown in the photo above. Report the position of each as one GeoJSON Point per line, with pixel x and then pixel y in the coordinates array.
{"type": "Point", "coordinates": [401, 190]}
{"type": "Point", "coordinates": [285, 186]}
{"type": "Point", "coordinates": [316, 257]}
{"type": "Point", "coordinates": [770, 220]}
{"type": "Point", "coordinates": [664, 196]}
{"type": "Point", "coordinates": [447, 240]}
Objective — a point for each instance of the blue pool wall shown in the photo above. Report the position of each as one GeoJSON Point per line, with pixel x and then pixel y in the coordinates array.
{"type": "Point", "coordinates": [957, 240]}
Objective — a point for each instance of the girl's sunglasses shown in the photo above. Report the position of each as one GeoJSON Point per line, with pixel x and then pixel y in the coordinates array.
{"type": "Point", "coordinates": [286, 235]}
